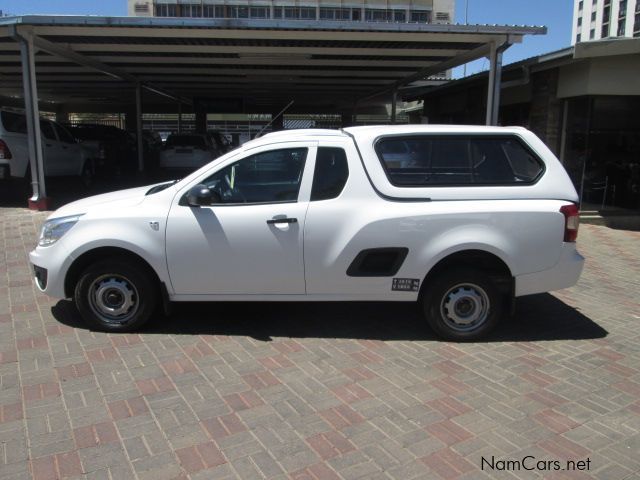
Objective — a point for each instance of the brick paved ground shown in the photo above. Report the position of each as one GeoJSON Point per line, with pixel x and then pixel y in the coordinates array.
{"type": "Point", "coordinates": [320, 391]}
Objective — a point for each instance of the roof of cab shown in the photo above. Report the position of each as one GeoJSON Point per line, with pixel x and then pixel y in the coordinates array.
{"type": "Point", "coordinates": [374, 130]}
{"type": "Point", "coordinates": [420, 128]}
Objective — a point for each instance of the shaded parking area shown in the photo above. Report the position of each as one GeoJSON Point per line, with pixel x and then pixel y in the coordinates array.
{"type": "Point", "coordinates": [321, 391]}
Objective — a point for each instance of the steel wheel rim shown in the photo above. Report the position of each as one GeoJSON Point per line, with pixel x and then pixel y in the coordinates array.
{"type": "Point", "coordinates": [465, 307]}
{"type": "Point", "coordinates": [114, 299]}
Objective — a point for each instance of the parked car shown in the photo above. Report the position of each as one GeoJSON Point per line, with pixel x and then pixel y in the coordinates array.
{"type": "Point", "coordinates": [113, 148]}
{"type": "Point", "coordinates": [187, 151]}
{"type": "Point", "coordinates": [63, 155]}
{"type": "Point", "coordinates": [480, 216]}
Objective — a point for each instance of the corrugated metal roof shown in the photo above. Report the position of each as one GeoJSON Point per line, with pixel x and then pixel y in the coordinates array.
{"type": "Point", "coordinates": [322, 65]}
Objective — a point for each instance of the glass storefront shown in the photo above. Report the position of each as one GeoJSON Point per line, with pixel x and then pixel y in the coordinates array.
{"type": "Point", "coordinates": [602, 149]}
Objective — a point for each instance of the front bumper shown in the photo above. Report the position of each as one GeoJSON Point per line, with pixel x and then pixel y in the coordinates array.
{"type": "Point", "coordinates": [52, 263]}
{"type": "Point", "coordinates": [563, 274]}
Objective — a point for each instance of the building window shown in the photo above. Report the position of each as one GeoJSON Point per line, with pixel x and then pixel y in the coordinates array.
{"type": "Point", "coordinates": [622, 12]}
{"type": "Point", "coordinates": [606, 14]}
{"type": "Point", "coordinates": [190, 10]}
{"type": "Point", "coordinates": [578, 38]}
{"type": "Point", "coordinates": [605, 31]}
{"type": "Point", "coordinates": [621, 27]}
{"type": "Point", "coordinates": [592, 33]}
{"type": "Point", "coordinates": [356, 15]}
{"type": "Point", "coordinates": [166, 11]}
{"type": "Point", "coordinates": [277, 12]}
{"type": "Point", "coordinates": [580, 5]}
{"type": "Point", "coordinates": [420, 16]}
{"type": "Point", "coordinates": [335, 13]}
{"type": "Point", "coordinates": [593, 16]}
{"type": "Point", "coordinates": [235, 11]}
{"type": "Point", "coordinates": [579, 21]}
{"type": "Point", "coordinates": [377, 15]}
{"type": "Point", "coordinates": [259, 12]}
{"type": "Point", "coordinates": [636, 25]}
{"type": "Point", "coordinates": [300, 13]}
{"type": "Point", "coordinates": [399, 16]}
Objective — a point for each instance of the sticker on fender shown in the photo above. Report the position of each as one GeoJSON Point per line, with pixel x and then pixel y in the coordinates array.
{"type": "Point", "coordinates": [406, 284]}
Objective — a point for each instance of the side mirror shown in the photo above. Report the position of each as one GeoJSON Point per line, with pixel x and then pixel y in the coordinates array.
{"type": "Point", "coordinates": [200, 195]}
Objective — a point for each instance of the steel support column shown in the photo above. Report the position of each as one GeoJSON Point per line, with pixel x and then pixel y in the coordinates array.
{"type": "Point", "coordinates": [38, 200]}
{"type": "Point", "coordinates": [495, 80]}
{"type": "Point", "coordinates": [139, 127]}
{"type": "Point", "coordinates": [394, 106]}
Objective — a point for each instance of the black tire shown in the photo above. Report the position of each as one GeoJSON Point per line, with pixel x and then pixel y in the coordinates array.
{"type": "Point", "coordinates": [462, 304]}
{"type": "Point", "coordinates": [124, 288]}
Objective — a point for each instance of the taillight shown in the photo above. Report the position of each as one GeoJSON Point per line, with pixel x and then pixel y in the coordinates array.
{"type": "Point", "coordinates": [5, 153]}
{"type": "Point", "coordinates": [571, 222]}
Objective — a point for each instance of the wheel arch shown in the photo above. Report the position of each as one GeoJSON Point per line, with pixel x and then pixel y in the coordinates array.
{"type": "Point", "coordinates": [100, 253]}
{"type": "Point", "coordinates": [484, 260]}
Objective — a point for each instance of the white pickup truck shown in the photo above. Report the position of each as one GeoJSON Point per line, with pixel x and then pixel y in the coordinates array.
{"type": "Point", "coordinates": [459, 219]}
{"type": "Point", "coordinates": [63, 155]}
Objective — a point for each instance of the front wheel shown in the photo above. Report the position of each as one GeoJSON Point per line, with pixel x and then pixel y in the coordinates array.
{"type": "Point", "coordinates": [462, 304]}
{"type": "Point", "coordinates": [114, 296]}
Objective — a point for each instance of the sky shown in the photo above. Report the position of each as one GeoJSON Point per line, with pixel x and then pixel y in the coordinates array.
{"type": "Point", "coordinates": [556, 15]}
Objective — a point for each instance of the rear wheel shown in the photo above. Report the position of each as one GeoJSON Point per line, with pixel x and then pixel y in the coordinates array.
{"type": "Point", "coordinates": [115, 296]}
{"type": "Point", "coordinates": [462, 304]}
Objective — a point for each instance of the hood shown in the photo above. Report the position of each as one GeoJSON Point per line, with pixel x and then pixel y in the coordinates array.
{"type": "Point", "coordinates": [118, 199]}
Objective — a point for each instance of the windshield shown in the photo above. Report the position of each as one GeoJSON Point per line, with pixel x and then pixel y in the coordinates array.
{"type": "Point", "coordinates": [186, 141]}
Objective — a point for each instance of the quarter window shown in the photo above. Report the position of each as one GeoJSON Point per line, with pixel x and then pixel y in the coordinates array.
{"type": "Point", "coordinates": [268, 177]}
{"type": "Point", "coordinates": [330, 174]}
{"type": "Point", "coordinates": [422, 161]}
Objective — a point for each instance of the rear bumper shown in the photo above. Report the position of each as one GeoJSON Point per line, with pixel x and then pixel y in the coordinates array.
{"type": "Point", "coordinates": [564, 274]}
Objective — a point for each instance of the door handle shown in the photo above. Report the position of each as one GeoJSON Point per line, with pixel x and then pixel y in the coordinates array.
{"type": "Point", "coordinates": [282, 220]}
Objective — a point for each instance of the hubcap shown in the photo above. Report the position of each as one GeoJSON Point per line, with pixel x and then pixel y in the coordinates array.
{"type": "Point", "coordinates": [465, 307]}
{"type": "Point", "coordinates": [113, 298]}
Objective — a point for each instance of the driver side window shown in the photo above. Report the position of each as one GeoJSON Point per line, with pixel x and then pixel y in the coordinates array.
{"type": "Point", "coordinates": [267, 177]}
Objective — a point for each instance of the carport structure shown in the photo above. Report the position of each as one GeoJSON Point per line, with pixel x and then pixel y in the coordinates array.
{"type": "Point", "coordinates": [97, 64]}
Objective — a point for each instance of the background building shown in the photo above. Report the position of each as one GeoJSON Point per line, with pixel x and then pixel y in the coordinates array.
{"type": "Point", "coordinates": [582, 101]}
{"type": "Point", "coordinates": [397, 11]}
{"type": "Point", "coordinates": [596, 19]}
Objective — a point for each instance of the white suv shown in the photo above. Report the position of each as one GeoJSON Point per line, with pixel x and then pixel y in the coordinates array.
{"type": "Point", "coordinates": [63, 155]}
{"type": "Point", "coordinates": [459, 219]}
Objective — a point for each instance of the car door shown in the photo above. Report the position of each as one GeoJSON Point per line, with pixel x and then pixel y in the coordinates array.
{"type": "Point", "coordinates": [250, 242]}
{"type": "Point", "coordinates": [71, 152]}
{"type": "Point", "coordinates": [51, 148]}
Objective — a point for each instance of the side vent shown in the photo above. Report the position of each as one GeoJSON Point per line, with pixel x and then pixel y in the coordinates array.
{"type": "Point", "coordinates": [378, 262]}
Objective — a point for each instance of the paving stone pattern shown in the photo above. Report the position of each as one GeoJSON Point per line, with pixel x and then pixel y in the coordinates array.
{"type": "Point", "coordinates": [321, 391]}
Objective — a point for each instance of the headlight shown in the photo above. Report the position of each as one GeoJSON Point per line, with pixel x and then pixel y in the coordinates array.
{"type": "Point", "coordinates": [53, 230]}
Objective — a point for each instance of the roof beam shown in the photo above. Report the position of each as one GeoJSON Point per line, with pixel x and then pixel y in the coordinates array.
{"type": "Point", "coordinates": [93, 64]}
{"type": "Point", "coordinates": [182, 33]}
{"type": "Point", "coordinates": [423, 73]}
{"type": "Point", "coordinates": [274, 50]}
